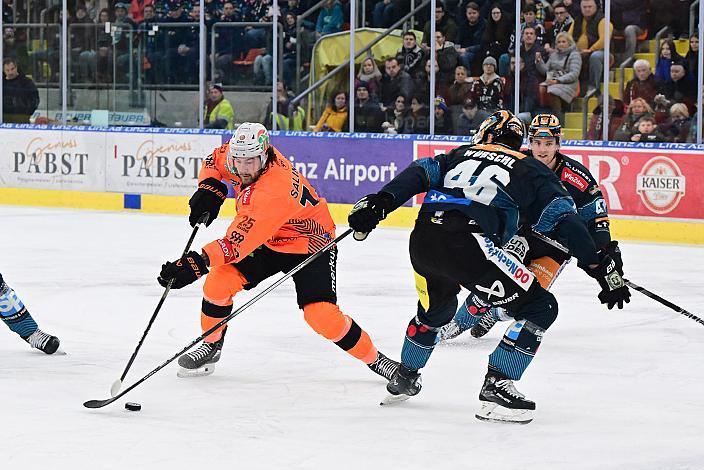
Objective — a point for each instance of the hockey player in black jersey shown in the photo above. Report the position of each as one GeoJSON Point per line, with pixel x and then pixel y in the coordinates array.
{"type": "Point", "coordinates": [544, 259]}
{"type": "Point", "coordinates": [477, 196]}
{"type": "Point", "coordinates": [18, 319]}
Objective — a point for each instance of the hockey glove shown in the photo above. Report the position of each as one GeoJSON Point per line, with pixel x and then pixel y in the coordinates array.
{"type": "Point", "coordinates": [208, 198]}
{"type": "Point", "coordinates": [613, 289]}
{"type": "Point", "coordinates": [184, 271]}
{"type": "Point", "coordinates": [614, 251]}
{"type": "Point", "coordinates": [368, 212]}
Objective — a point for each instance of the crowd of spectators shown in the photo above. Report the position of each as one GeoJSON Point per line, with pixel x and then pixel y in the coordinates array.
{"type": "Point", "coordinates": [560, 43]}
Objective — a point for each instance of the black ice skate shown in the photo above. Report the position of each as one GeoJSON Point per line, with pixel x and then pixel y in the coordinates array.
{"type": "Point", "coordinates": [384, 366]}
{"type": "Point", "coordinates": [404, 384]}
{"type": "Point", "coordinates": [43, 341]}
{"type": "Point", "coordinates": [502, 403]}
{"type": "Point", "coordinates": [201, 361]}
{"type": "Point", "coordinates": [483, 326]}
{"type": "Point", "coordinates": [450, 331]}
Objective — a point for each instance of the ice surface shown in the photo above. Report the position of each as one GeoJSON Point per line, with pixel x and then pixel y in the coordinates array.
{"type": "Point", "coordinates": [614, 389]}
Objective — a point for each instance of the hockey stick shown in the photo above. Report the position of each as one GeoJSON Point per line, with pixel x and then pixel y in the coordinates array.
{"type": "Point", "coordinates": [115, 388]}
{"type": "Point", "coordinates": [665, 302]}
{"type": "Point", "coordinates": [630, 284]}
{"type": "Point", "coordinates": [252, 301]}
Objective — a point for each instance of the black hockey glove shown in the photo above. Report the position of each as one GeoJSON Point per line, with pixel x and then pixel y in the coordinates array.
{"type": "Point", "coordinates": [613, 289]}
{"type": "Point", "coordinates": [368, 212]}
{"type": "Point", "coordinates": [208, 198]}
{"type": "Point", "coordinates": [614, 251]}
{"type": "Point", "coordinates": [184, 271]}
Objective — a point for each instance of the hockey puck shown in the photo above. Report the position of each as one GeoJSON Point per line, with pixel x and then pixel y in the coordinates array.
{"type": "Point", "coordinates": [133, 406]}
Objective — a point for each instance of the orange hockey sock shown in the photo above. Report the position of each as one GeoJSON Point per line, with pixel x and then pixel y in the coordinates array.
{"type": "Point", "coordinates": [328, 320]}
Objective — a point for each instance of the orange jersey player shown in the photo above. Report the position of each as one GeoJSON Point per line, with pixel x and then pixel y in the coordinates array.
{"type": "Point", "coordinates": [280, 222]}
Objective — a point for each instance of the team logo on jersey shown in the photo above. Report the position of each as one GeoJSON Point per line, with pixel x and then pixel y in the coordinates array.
{"type": "Point", "coordinates": [496, 289]}
{"type": "Point", "coordinates": [660, 185]}
{"type": "Point", "coordinates": [574, 179]}
{"type": "Point", "coordinates": [506, 262]}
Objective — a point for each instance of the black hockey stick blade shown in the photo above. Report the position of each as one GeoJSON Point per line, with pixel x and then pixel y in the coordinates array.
{"type": "Point", "coordinates": [665, 302]}
{"type": "Point", "coordinates": [245, 306]}
{"type": "Point", "coordinates": [117, 385]}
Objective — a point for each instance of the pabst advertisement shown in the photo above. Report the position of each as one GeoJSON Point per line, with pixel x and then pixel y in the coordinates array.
{"type": "Point", "coordinates": [53, 160]}
{"type": "Point", "coordinates": [660, 181]}
{"type": "Point", "coordinates": [165, 164]}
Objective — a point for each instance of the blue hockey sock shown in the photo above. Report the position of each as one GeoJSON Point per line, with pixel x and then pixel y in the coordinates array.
{"type": "Point", "coordinates": [469, 314]}
{"type": "Point", "coordinates": [418, 344]}
{"type": "Point", "coordinates": [516, 349]}
{"type": "Point", "coordinates": [15, 314]}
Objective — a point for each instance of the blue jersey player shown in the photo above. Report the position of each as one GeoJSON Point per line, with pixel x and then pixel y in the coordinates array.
{"type": "Point", "coordinates": [477, 197]}
{"type": "Point", "coordinates": [543, 258]}
{"type": "Point", "coordinates": [18, 319]}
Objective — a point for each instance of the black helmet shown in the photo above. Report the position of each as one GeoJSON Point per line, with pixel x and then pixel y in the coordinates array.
{"type": "Point", "coordinates": [506, 128]}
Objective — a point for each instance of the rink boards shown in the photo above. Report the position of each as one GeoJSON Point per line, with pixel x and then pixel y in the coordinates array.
{"type": "Point", "coordinates": [654, 191]}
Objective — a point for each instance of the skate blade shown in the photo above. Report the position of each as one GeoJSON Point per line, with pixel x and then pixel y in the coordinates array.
{"type": "Point", "coordinates": [394, 399]}
{"type": "Point", "coordinates": [495, 413]}
{"type": "Point", "coordinates": [200, 372]}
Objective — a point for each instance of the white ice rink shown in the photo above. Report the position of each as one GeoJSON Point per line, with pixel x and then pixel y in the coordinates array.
{"type": "Point", "coordinates": [614, 389]}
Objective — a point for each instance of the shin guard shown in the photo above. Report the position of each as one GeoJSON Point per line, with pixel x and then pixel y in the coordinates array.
{"type": "Point", "coordinates": [517, 349]}
{"type": "Point", "coordinates": [14, 313]}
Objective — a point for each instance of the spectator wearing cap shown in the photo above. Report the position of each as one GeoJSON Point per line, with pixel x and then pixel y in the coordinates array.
{"type": "Point", "coordinates": [411, 56]}
{"type": "Point", "coordinates": [443, 117]}
{"type": "Point", "coordinates": [680, 88]}
{"type": "Point", "coordinates": [218, 110]}
{"type": "Point", "coordinates": [20, 95]}
{"type": "Point", "coordinates": [497, 34]}
{"type": "Point", "coordinates": [589, 33]}
{"type": "Point", "coordinates": [469, 35]}
{"type": "Point", "coordinates": [460, 89]}
{"type": "Point", "coordinates": [124, 35]}
{"type": "Point", "coordinates": [471, 118]}
{"type": "Point", "coordinates": [443, 22]}
{"type": "Point", "coordinates": [367, 114]}
{"type": "Point", "coordinates": [643, 84]}
{"type": "Point", "coordinates": [488, 91]}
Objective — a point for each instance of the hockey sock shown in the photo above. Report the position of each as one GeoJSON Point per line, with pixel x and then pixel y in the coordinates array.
{"type": "Point", "coordinates": [211, 315]}
{"type": "Point", "coordinates": [469, 313]}
{"type": "Point", "coordinates": [418, 344]}
{"type": "Point", "coordinates": [516, 349]}
{"type": "Point", "coordinates": [328, 320]}
{"type": "Point", "coordinates": [14, 313]}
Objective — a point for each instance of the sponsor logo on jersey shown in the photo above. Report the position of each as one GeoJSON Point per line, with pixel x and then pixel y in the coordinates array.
{"type": "Point", "coordinates": [228, 252]}
{"type": "Point", "coordinates": [574, 179]}
{"type": "Point", "coordinates": [506, 262]}
{"type": "Point", "coordinates": [660, 185]}
{"type": "Point", "coordinates": [246, 196]}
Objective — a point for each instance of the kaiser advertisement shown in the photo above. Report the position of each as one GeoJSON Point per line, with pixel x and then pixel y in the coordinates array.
{"type": "Point", "coordinates": [53, 160]}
